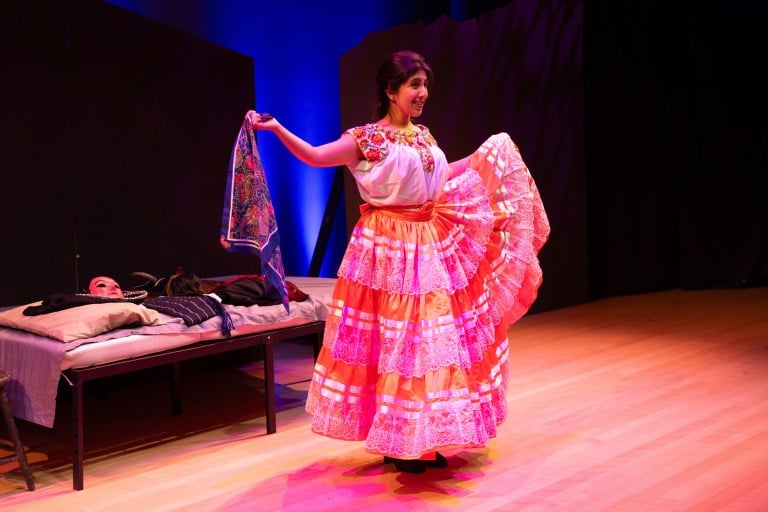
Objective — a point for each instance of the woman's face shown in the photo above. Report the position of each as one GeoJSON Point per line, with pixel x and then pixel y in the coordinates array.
{"type": "Point", "coordinates": [412, 94]}
{"type": "Point", "coordinates": [105, 287]}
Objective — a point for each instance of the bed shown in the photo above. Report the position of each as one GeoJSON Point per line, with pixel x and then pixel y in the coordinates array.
{"type": "Point", "coordinates": [39, 360]}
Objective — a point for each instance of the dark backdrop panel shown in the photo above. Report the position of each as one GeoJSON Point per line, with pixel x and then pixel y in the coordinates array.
{"type": "Point", "coordinates": [722, 114]}
{"type": "Point", "coordinates": [677, 146]}
{"type": "Point", "coordinates": [36, 190]}
{"type": "Point", "coordinates": [157, 115]}
{"type": "Point", "coordinates": [515, 69]}
{"type": "Point", "coordinates": [632, 196]}
{"type": "Point", "coordinates": [152, 117]}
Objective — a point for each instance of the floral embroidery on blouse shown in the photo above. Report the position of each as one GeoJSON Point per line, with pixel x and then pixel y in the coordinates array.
{"type": "Point", "coordinates": [374, 139]}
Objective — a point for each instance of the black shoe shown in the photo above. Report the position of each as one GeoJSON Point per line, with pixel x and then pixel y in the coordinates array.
{"type": "Point", "coordinates": [439, 462]}
{"type": "Point", "coordinates": [410, 465]}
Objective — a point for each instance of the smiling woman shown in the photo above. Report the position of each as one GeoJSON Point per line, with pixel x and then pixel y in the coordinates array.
{"type": "Point", "coordinates": [442, 260]}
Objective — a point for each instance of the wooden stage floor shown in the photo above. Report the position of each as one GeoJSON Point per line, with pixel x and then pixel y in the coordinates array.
{"type": "Point", "coordinates": [654, 402]}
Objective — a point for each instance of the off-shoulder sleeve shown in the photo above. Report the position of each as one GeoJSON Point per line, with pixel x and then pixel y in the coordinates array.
{"type": "Point", "coordinates": [372, 142]}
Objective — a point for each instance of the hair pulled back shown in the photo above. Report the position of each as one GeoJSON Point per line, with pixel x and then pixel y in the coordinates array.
{"type": "Point", "coordinates": [393, 72]}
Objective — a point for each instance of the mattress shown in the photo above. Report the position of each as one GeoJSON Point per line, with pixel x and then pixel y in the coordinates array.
{"type": "Point", "coordinates": [36, 361]}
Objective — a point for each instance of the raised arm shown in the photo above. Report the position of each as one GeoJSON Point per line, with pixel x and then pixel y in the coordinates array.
{"type": "Point", "coordinates": [342, 151]}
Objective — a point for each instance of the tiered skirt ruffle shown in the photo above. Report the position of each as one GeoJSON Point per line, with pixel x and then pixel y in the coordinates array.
{"type": "Point", "coordinates": [415, 349]}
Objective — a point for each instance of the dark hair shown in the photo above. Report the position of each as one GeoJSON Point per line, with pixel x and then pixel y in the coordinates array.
{"type": "Point", "coordinates": [393, 72]}
{"type": "Point", "coordinates": [183, 283]}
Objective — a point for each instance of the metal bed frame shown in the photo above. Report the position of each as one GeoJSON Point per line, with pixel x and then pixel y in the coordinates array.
{"type": "Point", "coordinates": [77, 377]}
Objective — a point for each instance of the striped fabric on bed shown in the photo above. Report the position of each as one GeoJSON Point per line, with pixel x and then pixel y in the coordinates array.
{"type": "Point", "coordinates": [193, 309]}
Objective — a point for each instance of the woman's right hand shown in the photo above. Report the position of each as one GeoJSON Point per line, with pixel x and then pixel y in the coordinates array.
{"type": "Point", "coordinates": [261, 121]}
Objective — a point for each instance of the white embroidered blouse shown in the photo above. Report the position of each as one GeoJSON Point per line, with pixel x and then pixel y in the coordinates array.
{"type": "Point", "coordinates": [399, 168]}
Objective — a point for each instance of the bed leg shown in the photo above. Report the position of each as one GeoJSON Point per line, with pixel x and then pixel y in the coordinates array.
{"type": "Point", "coordinates": [269, 384]}
{"type": "Point", "coordinates": [77, 435]}
{"type": "Point", "coordinates": [176, 389]}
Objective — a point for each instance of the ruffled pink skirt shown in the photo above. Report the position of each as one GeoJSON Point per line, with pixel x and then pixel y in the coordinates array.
{"type": "Point", "coordinates": [415, 349]}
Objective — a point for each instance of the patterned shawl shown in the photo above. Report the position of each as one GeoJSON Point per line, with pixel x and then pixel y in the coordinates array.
{"type": "Point", "coordinates": [248, 222]}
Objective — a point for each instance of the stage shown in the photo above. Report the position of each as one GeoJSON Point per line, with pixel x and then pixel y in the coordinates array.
{"type": "Point", "coordinates": [654, 402]}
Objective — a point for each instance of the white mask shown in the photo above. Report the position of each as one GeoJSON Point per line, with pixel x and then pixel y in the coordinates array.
{"type": "Point", "coordinates": [105, 287]}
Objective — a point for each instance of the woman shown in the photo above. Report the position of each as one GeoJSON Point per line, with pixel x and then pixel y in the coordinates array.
{"type": "Point", "coordinates": [441, 262]}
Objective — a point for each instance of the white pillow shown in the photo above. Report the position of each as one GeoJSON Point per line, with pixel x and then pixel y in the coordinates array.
{"type": "Point", "coordinates": [80, 322]}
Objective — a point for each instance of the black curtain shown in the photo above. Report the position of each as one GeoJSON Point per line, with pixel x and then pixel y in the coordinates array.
{"type": "Point", "coordinates": [36, 196]}
{"type": "Point", "coordinates": [114, 147]}
{"type": "Point", "coordinates": [677, 143]}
